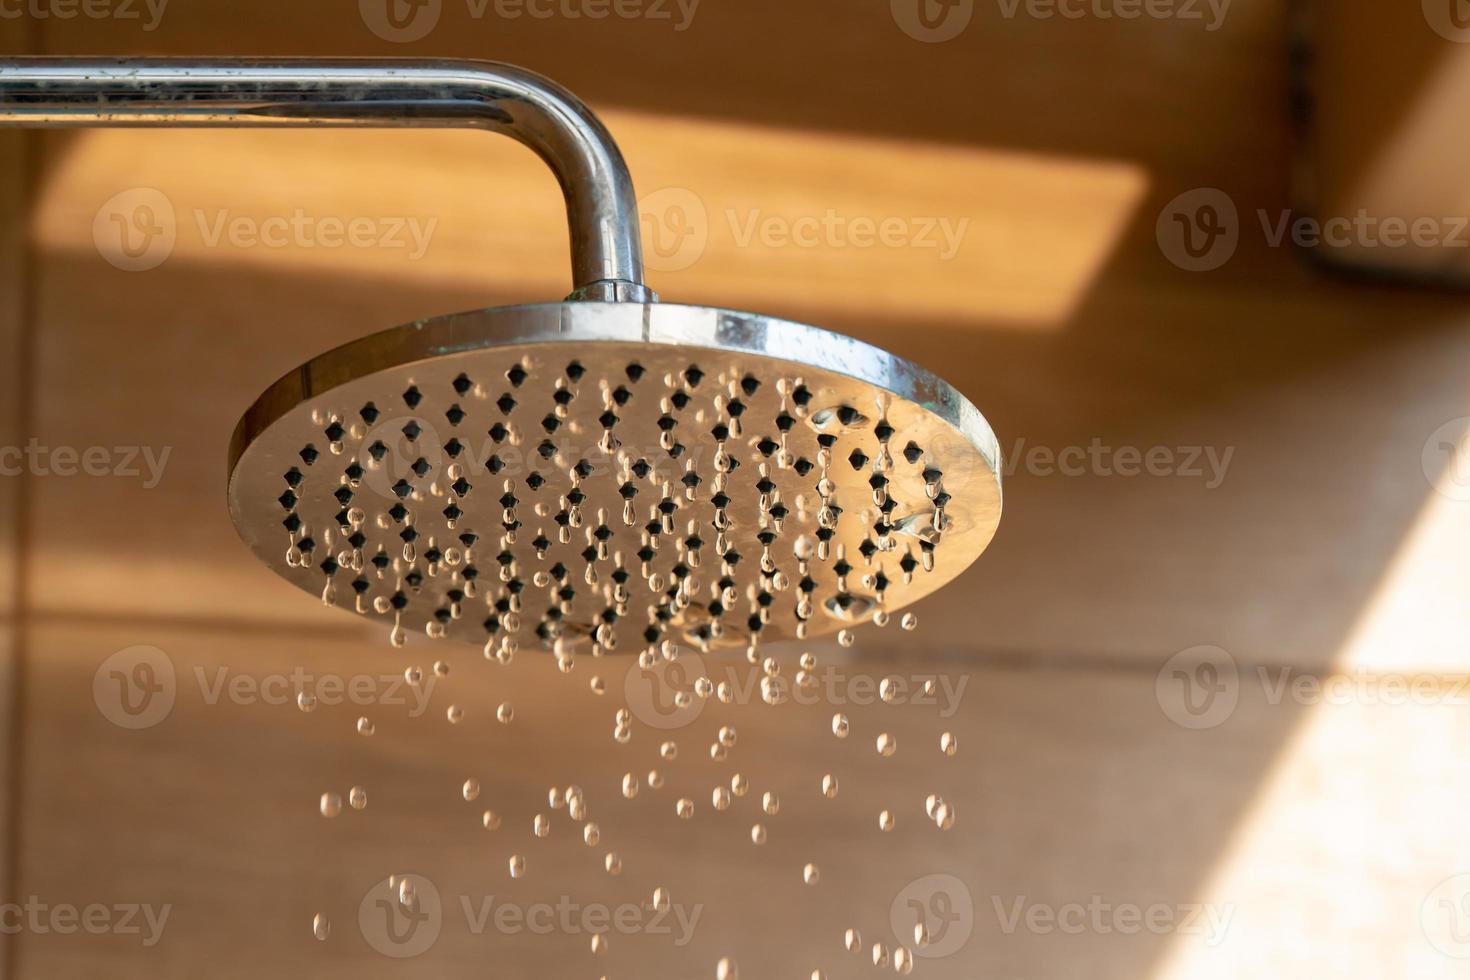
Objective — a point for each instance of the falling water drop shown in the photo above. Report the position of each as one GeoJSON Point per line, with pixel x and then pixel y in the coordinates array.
{"type": "Point", "coordinates": [948, 744]}
{"type": "Point", "coordinates": [455, 714]}
{"type": "Point", "coordinates": [306, 702]}
{"type": "Point", "coordinates": [829, 786]}
{"type": "Point", "coordinates": [505, 713]}
{"type": "Point", "coordinates": [470, 789]}
{"type": "Point", "coordinates": [365, 726]}
{"type": "Point", "coordinates": [517, 866]}
{"type": "Point", "coordinates": [886, 744]}
{"type": "Point", "coordinates": [357, 797]}
{"type": "Point", "coordinates": [331, 804]}
{"type": "Point", "coordinates": [840, 725]}
{"type": "Point", "coordinates": [321, 926]}
{"type": "Point", "coordinates": [811, 874]}
{"type": "Point", "coordinates": [758, 833]}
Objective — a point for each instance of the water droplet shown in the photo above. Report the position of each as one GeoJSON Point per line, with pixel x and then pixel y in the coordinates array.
{"type": "Point", "coordinates": [880, 954]}
{"type": "Point", "coordinates": [597, 685]}
{"type": "Point", "coordinates": [441, 669]}
{"type": "Point", "coordinates": [306, 702]}
{"type": "Point", "coordinates": [885, 821]}
{"type": "Point", "coordinates": [684, 808]}
{"type": "Point", "coordinates": [853, 940]}
{"type": "Point", "coordinates": [888, 689]}
{"type": "Point", "coordinates": [668, 751]}
{"type": "Point", "coordinates": [727, 737]}
{"type": "Point", "coordinates": [505, 713]}
{"type": "Point", "coordinates": [829, 786]}
{"type": "Point", "coordinates": [739, 785]}
{"type": "Point", "coordinates": [655, 779]}
{"type": "Point", "coordinates": [490, 819]}
{"type": "Point", "coordinates": [771, 803]}
{"type": "Point", "coordinates": [321, 926]}
{"type": "Point", "coordinates": [599, 943]}
{"type": "Point", "coordinates": [357, 797]}
{"type": "Point", "coordinates": [661, 899]}
{"type": "Point", "coordinates": [455, 714]}
{"type": "Point", "coordinates": [840, 726]}
{"type": "Point", "coordinates": [613, 863]}
{"type": "Point", "coordinates": [630, 785]}
{"type": "Point", "coordinates": [948, 744]}
{"type": "Point", "coordinates": [471, 789]}
{"type": "Point", "coordinates": [811, 874]}
{"type": "Point", "coordinates": [903, 961]}
{"type": "Point", "coordinates": [944, 816]}
{"type": "Point", "coordinates": [720, 798]}
{"type": "Point", "coordinates": [887, 745]}
{"type": "Point", "coordinates": [331, 804]}
{"type": "Point", "coordinates": [591, 835]}
{"type": "Point", "coordinates": [365, 726]}
{"type": "Point", "coordinates": [413, 675]}
{"type": "Point", "coordinates": [846, 638]}
{"type": "Point", "coordinates": [540, 825]}
{"type": "Point", "coordinates": [517, 866]}
{"type": "Point", "coordinates": [758, 833]}
{"type": "Point", "coordinates": [726, 969]}
{"type": "Point", "coordinates": [909, 621]}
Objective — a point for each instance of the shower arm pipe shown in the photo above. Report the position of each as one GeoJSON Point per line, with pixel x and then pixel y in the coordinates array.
{"type": "Point", "coordinates": [607, 256]}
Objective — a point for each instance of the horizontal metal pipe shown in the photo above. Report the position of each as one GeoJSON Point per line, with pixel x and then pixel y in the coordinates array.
{"type": "Point", "coordinates": [607, 256]}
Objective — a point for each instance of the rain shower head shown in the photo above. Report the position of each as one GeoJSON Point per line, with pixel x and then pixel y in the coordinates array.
{"type": "Point", "coordinates": [609, 471]}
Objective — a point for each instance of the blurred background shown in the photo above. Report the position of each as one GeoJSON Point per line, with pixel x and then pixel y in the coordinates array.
{"type": "Point", "coordinates": [1200, 264]}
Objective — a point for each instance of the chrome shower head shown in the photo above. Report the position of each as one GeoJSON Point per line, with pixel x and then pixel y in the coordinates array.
{"type": "Point", "coordinates": [609, 470]}
{"type": "Point", "coordinates": [619, 473]}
